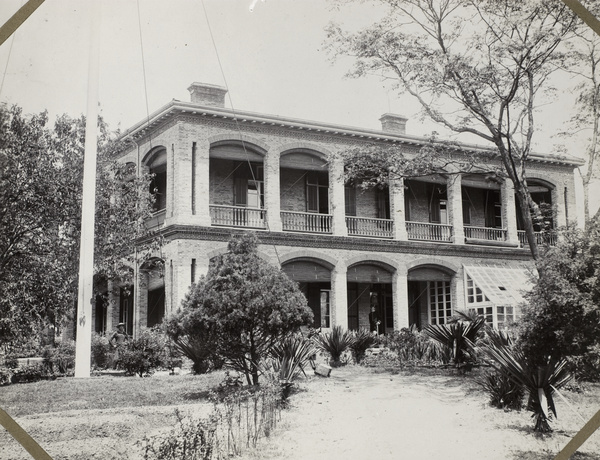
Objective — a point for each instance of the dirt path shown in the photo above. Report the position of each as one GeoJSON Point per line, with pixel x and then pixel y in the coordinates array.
{"type": "Point", "coordinates": [380, 416]}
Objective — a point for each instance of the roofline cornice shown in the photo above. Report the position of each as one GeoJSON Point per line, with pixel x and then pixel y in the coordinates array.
{"type": "Point", "coordinates": [175, 108]}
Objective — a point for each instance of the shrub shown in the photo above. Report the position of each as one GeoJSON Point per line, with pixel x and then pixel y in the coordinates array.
{"type": "Point", "coordinates": [413, 346]}
{"type": "Point", "coordinates": [31, 373]}
{"type": "Point", "coordinates": [335, 343]}
{"type": "Point", "coordinates": [189, 439]}
{"type": "Point", "coordinates": [143, 355]}
{"type": "Point", "coordinates": [5, 376]}
{"type": "Point", "coordinates": [362, 340]}
{"type": "Point", "coordinates": [101, 352]}
{"type": "Point", "coordinates": [539, 381]}
{"type": "Point", "coordinates": [245, 304]}
{"type": "Point", "coordinates": [383, 359]}
{"type": "Point", "coordinates": [457, 337]}
{"type": "Point", "coordinates": [60, 359]}
{"type": "Point", "coordinates": [504, 393]}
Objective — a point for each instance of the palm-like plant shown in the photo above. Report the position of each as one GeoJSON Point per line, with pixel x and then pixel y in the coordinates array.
{"type": "Point", "coordinates": [457, 336]}
{"type": "Point", "coordinates": [334, 342]}
{"type": "Point", "coordinates": [291, 356]}
{"type": "Point", "coordinates": [363, 339]}
{"type": "Point", "coordinates": [539, 381]}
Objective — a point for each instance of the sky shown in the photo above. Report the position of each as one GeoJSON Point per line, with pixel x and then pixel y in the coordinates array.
{"type": "Point", "coordinates": [272, 60]}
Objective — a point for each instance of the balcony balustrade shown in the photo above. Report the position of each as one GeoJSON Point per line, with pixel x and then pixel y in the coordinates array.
{"type": "Point", "coordinates": [370, 227]}
{"type": "Point", "coordinates": [424, 231]}
{"type": "Point", "coordinates": [541, 238]}
{"type": "Point", "coordinates": [305, 222]}
{"type": "Point", "coordinates": [486, 233]}
{"type": "Point", "coordinates": [236, 216]}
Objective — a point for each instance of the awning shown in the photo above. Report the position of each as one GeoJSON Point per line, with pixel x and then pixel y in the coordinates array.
{"type": "Point", "coordinates": [501, 285]}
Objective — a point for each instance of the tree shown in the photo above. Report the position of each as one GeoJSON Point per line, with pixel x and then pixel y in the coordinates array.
{"type": "Point", "coordinates": [475, 66]}
{"type": "Point", "coordinates": [41, 170]}
{"type": "Point", "coordinates": [562, 319]}
{"type": "Point", "coordinates": [584, 63]}
{"type": "Point", "coordinates": [247, 304]}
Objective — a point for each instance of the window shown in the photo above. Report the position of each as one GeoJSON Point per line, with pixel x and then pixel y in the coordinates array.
{"type": "Point", "coordinates": [493, 209]}
{"type": "Point", "coordinates": [474, 293]}
{"type": "Point", "coordinates": [325, 307]}
{"type": "Point", "coordinates": [438, 204]}
{"type": "Point", "coordinates": [157, 167]}
{"type": "Point", "coordinates": [350, 200]}
{"type": "Point", "coordinates": [249, 190]}
{"type": "Point", "coordinates": [317, 192]}
{"type": "Point", "coordinates": [440, 304]}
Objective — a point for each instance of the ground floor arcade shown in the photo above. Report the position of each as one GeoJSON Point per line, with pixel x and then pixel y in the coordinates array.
{"type": "Point", "coordinates": [342, 286]}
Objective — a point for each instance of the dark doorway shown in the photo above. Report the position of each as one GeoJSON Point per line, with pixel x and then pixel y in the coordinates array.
{"type": "Point", "coordinates": [126, 308]}
{"type": "Point", "coordinates": [156, 306]}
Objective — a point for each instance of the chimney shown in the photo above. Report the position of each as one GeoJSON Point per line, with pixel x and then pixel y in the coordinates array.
{"type": "Point", "coordinates": [392, 123]}
{"type": "Point", "coordinates": [205, 94]}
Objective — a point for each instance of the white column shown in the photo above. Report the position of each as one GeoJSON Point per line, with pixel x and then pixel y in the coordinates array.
{"type": "Point", "coordinates": [400, 296]}
{"type": "Point", "coordinates": [272, 192]}
{"type": "Point", "coordinates": [339, 296]}
{"type": "Point", "coordinates": [397, 211]}
{"type": "Point", "coordinates": [455, 211]}
{"type": "Point", "coordinates": [509, 211]}
{"type": "Point", "coordinates": [337, 199]}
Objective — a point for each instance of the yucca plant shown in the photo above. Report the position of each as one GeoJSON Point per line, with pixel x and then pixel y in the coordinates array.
{"type": "Point", "coordinates": [540, 382]}
{"type": "Point", "coordinates": [292, 355]}
{"type": "Point", "coordinates": [457, 336]}
{"type": "Point", "coordinates": [363, 340]}
{"type": "Point", "coordinates": [334, 342]}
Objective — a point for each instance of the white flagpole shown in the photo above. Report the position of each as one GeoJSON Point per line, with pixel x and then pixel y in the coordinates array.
{"type": "Point", "coordinates": [88, 205]}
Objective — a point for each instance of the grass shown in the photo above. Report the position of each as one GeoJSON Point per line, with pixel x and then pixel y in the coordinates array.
{"type": "Point", "coordinates": [106, 392]}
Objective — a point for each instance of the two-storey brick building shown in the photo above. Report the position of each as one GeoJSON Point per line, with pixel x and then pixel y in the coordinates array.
{"type": "Point", "coordinates": [418, 250]}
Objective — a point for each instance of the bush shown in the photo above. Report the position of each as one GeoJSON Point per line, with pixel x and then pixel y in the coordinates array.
{"type": "Point", "coordinates": [362, 340]}
{"type": "Point", "coordinates": [60, 359]}
{"type": "Point", "coordinates": [101, 352]}
{"type": "Point", "coordinates": [384, 359]}
{"type": "Point", "coordinates": [335, 343]}
{"type": "Point", "coordinates": [5, 376]}
{"type": "Point", "coordinates": [31, 373]}
{"type": "Point", "coordinates": [414, 347]}
{"type": "Point", "coordinates": [189, 439]}
{"type": "Point", "coordinates": [143, 355]}
{"type": "Point", "coordinates": [587, 366]}
{"type": "Point", "coordinates": [504, 393]}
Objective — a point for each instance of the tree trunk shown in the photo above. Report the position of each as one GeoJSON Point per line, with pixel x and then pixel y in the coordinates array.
{"type": "Point", "coordinates": [525, 200]}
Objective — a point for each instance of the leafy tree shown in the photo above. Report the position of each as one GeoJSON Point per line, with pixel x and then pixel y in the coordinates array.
{"type": "Point", "coordinates": [562, 319]}
{"type": "Point", "coordinates": [41, 170]}
{"type": "Point", "coordinates": [246, 304]}
{"type": "Point", "coordinates": [584, 65]}
{"type": "Point", "coordinates": [475, 66]}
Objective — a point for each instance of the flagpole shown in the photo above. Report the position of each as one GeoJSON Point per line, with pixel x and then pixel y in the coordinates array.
{"type": "Point", "coordinates": [88, 204]}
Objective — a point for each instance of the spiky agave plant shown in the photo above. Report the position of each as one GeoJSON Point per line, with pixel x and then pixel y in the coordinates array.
{"type": "Point", "coordinates": [292, 355]}
{"type": "Point", "coordinates": [456, 336]}
{"type": "Point", "coordinates": [540, 382]}
{"type": "Point", "coordinates": [334, 342]}
{"type": "Point", "coordinates": [363, 339]}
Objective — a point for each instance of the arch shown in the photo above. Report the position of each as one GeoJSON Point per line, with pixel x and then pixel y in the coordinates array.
{"type": "Point", "coordinates": [441, 264]}
{"type": "Point", "coordinates": [539, 181]}
{"type": "Point", "coordinates": [307, 270]}
{"type": "Point", "coordinates": [155, 156]}
{"type": "Point", "coordinates": [383, 261]}
{"type": "Point", "coordinates": [305, 147]}
{"type": "Point", "coordinates": [308, 254]}
{"type": "Point", "coordinates": [240, 140]}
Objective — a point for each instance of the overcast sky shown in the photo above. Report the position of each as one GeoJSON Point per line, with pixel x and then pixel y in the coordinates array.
{"type": "Point", "coordinates": [272, 61]}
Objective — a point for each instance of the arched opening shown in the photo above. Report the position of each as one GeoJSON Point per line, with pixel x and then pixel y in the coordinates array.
{"type": "Point", "coordinates": [426, 209]}
{"type": "Point", "coordinates": [157, 166]}
{"type": "Point", "coordinates": [482, 208]}
{"type": "Point", "coordinates": [237, 191]}
{"type": "Point", "coordinates": [314, 280]}
{"type": "Point", "coordinates": [370, 298]}
{"type": "Point", "coordinates": [304, 189]}
{"type": "Point", "coordinates": [429, 295]}
{"type": "Point", "coordinates": [153, 271]}
{"type": "Point", "coordinates": [543, 224]}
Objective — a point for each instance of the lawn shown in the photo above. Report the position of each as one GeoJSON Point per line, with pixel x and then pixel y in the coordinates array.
{"type": "Point", "coordinates": [356, 413]}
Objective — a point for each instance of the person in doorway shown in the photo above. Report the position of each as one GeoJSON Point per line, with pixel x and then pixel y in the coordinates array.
{"type": "Point", "coordinates": [374, 320]}
{"type": "Point", "coordinates": [117, 341]}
